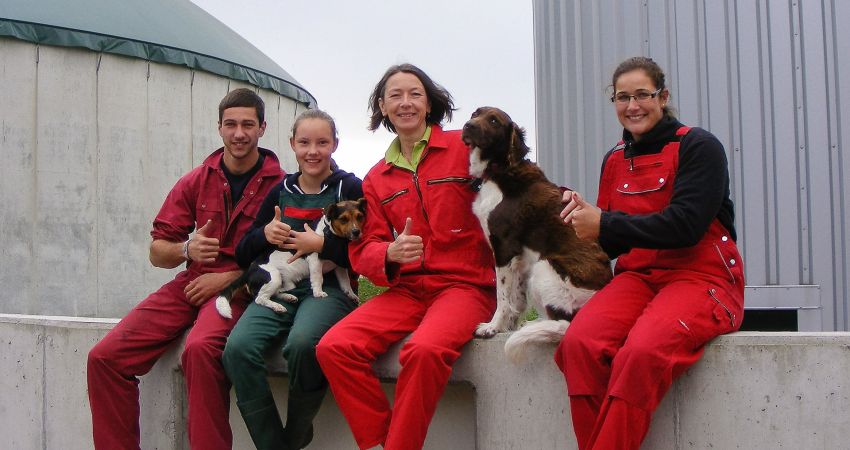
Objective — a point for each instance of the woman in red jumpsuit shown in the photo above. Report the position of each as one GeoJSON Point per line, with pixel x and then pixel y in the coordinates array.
{"type": "Point", "coordinates": [664, 211]}
{"type": "Point", "coordinates": [421, 240]}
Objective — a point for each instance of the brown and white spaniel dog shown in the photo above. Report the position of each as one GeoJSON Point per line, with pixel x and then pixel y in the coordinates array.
{"type": "Point", "coordinates": [537, 254]}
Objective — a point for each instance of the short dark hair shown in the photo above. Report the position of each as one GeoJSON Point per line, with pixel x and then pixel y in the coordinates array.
{"type": "Point", "coordinates": [441, 101]}
{"type": "Point", "coordinates": [650, 68]}
{"type": "Point", "coordinates": [243, 97]}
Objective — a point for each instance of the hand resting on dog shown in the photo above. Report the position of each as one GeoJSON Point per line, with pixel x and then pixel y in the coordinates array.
{"type": "Point", "coordinates": [584, 216]}
{"type": "Point", "coordinates": [303, 243]}
{"type": "Point", "coordinates": [208, 285]}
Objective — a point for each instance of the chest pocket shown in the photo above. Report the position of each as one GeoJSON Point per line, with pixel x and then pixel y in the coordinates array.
{"type": "Point", "coordinates": [644, 189]}
{"type": "Point", "coordinates": [211, 209]}
{"type": "Point", "coordinates": [447, 196]}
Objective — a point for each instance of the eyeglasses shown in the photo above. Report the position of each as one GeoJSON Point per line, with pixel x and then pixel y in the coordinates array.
{"type": "Point", "coordinates": [640, 97]}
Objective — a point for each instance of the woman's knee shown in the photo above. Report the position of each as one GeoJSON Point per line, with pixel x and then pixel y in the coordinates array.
{"type": "Point", "coordinates": [416, 352]}
{"type": "Point", "coordinates": [335, 348]}
{"type": "Point", "coordinates": [640, 353]}
{"type": "Point", "coordinates": [240, 354]}
{"type": "Point", "coordinates": [300, 345]}
{"type": "Point", "coordinates": [231, 357]}
{"type": "Point", "coordinates": [577, 339]}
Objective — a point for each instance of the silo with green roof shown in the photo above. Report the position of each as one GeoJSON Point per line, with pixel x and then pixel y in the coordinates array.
{"type": "Point", "coordinates": [104, 105]}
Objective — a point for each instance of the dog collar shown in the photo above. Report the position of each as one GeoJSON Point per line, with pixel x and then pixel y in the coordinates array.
{"type": "Point", "coordinates": [475, 184]}
{"type": "Point", "coordinates": [328, 229]}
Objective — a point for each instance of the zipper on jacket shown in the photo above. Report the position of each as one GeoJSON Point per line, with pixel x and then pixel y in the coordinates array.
{"type": "Point", "coordinates": [419, 193]}
{"type": "Point", "coordinates": [712, 293]}
{"type": "Point", "coordinates": [394, 196]}
{"type": "Point", "coordinates": [424, 212]}
{"type": "Point", "coordinates": [450, 180]}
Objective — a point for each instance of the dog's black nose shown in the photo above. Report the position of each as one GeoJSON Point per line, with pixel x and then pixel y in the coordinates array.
{"type": "Point", "coordinates": [355, 233]}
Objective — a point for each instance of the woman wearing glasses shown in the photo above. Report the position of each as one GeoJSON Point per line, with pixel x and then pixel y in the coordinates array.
{"type": "Point", "coordinates": [664, 211]}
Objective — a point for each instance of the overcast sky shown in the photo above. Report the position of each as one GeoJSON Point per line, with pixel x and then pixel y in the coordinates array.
{"type": "Point", "coordinates": [480, 50]}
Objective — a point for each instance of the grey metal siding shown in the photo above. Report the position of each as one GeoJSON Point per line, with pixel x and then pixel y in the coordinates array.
{"type": "Point", "coordinates": [766, 77]}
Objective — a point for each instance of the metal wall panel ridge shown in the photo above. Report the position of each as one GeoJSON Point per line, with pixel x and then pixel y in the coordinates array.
{"type": "Point", "coordinates": [766, 77]}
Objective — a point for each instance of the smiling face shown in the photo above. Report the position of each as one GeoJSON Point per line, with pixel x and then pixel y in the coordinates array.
{"type": "Point", "coordinates": [240, 131]}
{"type": "Point", "coordinates": [313, 143]}
{"type": "Point", "coordinates": [405, 103]}
{"type": "Point", "coordinates": [639, 117]}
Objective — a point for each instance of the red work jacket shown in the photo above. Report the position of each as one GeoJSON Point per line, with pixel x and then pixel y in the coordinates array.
{"type": "Point", "coordinates": [438, 198]}
{"type": "Point", "coordinates": [204, 194]}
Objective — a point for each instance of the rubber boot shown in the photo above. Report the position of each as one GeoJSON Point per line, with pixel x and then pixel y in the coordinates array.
{"type": "Point", "coordinates": [263, 423]}
{"type": "Point", "coordinates": [301, 409]}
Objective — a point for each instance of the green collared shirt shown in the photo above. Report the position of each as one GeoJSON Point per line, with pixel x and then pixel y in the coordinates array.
{"type": "Point", "coordinates": [394, 156]}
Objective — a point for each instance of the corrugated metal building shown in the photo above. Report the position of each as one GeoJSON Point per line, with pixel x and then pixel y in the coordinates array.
{"type": "Point", "coordinates": [104, 105]}
{"type": "Point", "coordinates": [767, 78]}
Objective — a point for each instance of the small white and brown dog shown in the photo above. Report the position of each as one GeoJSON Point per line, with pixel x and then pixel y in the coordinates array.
{"type": "Point", "coordinates": [273, 275]}
{"type": "Point", "coordinates": [537, 255]}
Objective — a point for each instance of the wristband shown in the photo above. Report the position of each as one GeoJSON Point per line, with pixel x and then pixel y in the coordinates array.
{"type": "Point", "coordinates": [186, 250]}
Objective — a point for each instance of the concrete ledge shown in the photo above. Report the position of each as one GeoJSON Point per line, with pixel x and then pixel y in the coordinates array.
{"type": "Point", "coordinates": [751, 390]}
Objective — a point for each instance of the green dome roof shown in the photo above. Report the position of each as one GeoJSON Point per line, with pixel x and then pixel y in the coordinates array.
{"type": "Point", "coordinates": [165, 31]}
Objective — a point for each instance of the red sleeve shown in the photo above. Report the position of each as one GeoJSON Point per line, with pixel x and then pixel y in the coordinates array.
{"type": "Point", "coordinates": [369, 255]}
{"type": "Point", "coordinates": [176, 218]}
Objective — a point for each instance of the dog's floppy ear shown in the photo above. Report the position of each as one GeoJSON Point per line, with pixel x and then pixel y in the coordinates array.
{"type": "Point", "coordinates": [518, 149]}
{"type": "Point", "coordinates": [361, 204]}
{"type": "Point", "coordinates": [331, 210]}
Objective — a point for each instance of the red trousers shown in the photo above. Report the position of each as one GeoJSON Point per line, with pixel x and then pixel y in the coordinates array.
{"type": "Point", "coordinates": [440, 318]}
{"type": "Point", "coordinates": [130, 350]}
{"type": "Point", "coordinates": [625, 347]}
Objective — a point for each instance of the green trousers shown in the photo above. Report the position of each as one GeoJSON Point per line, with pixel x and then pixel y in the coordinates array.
{"type": "Point", "coordinates": [261, 330]}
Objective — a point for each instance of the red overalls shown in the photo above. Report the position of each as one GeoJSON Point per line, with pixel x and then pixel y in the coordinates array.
{"type": "Point", "coordinates": [635, 336]}
{"type": "Point", "coordinates": [132, 347]}
{"type": "Point", "coordinates": [438, 300]}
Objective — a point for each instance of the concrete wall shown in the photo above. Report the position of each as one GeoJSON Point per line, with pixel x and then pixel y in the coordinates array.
{"type": "Point", "coordinates": [751, 390]}
{"type": "Point", "coordinates": [91, 143]}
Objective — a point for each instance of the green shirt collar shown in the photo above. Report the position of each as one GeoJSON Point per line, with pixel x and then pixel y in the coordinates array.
{"type": "Point", "coordinates": [394, 156]}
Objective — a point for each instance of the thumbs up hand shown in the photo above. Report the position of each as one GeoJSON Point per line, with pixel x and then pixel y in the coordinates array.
{"type": "Point", "coordinates": [583, 216]}
{"type": "Point", "coordinates": [203, 248]}
{"type": "Point", "coordinates": [407, 247]}
{"type": "Point", "coordinates": [276, 231]}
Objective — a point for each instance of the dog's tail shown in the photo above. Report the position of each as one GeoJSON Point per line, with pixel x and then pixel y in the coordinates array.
{"type": "Point", "coordinates": [542, 331]}
{"type": "Point", "coordinates": [222, 303]}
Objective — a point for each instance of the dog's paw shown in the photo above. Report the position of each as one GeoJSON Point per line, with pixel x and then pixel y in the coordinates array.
{"type": "Point", "coordinates": [352, 295]}
{"type": "Point", "coordinates": [486, 330]}
{"type": "Point", "coordinates": [288, 298]}
{"type": "Point", "coordinates": [223, 307]}
{"type": "Point", "coordinates": [277, 307]}
{"type": "Point", "coordinates": [320, 294]}
{"type": "Point", "coordinates": [272, 305]}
